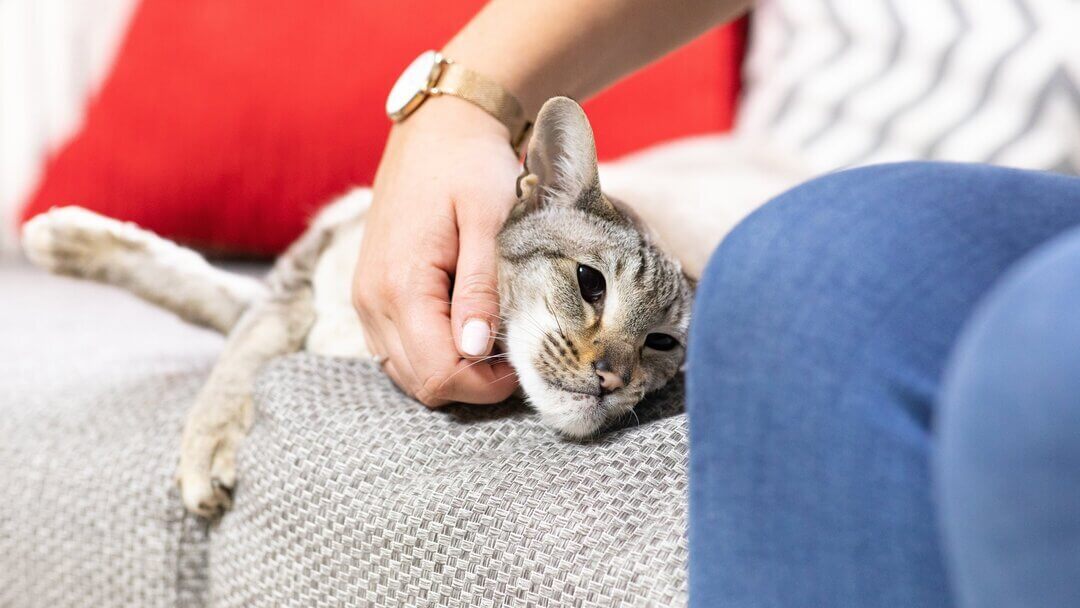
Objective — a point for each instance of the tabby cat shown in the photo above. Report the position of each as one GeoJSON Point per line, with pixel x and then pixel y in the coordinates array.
{"type": "Point", "coordinates": [595, 314]}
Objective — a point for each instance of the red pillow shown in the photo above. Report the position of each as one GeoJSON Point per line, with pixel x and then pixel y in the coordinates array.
{"type": "Point", "coordinates": [225, 124]}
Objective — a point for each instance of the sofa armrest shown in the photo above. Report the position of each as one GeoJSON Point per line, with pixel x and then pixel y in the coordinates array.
{"type": "Point", "coordinates": [350, 493]}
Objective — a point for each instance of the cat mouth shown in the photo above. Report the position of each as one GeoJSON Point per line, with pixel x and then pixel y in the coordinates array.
{"type": "Point", "coordinates": [576, 392]}
{"type": "Point", "coordinates": [595, 397]}
{"type": "Point", "coordinates": [590, 399]}
{"type": "Point", "coordinates": [596, 400]}
{"type": "Point", "coordinates": [579, 414]}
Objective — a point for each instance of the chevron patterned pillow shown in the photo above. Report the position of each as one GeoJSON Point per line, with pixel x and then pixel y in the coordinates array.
{"type": "Point", "coordinates": [850, 82]}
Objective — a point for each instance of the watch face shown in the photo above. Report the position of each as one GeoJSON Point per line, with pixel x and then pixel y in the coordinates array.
{"type": "Point", "coordinates": [411, 87]}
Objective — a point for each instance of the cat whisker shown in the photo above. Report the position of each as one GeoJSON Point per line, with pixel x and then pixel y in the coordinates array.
{"type": "Point", "coordinates": [480, 312]}
{"type": "Point", "coordinates": [502, 318]}
{"type": "Point", "coordinates": [555, 316]}
{"type": "Point", "coordinates": [533, 327]}
{"type": "Point", "coordinates": [501, 378]}
{"type": "Point", "coordinates": [530, 325]}
{"type": "Point", "coordinates": [534, 332]}
{"type": "Point", "coordinates": [472, 364]}
{"type": "Point", "coordinates": [526, 316]}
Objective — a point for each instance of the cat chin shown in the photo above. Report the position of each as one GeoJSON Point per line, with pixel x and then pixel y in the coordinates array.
{"type": "Point", "coordinates": [580, 416]}
{"type": "Point", "coordinates": [574, 415]}
{"type": "Point", "coordinates": [578, 430]}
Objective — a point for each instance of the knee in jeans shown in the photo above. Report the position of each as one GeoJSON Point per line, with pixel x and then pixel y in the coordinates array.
{"type": "Point", "coordinates": [1014, 377]}
{"type": "Point", "coordinates": [827, 220]}
{"type": "Point", "coordinates": [1007, 457]}
{"type": "Point", "coordinates": [870, 214]}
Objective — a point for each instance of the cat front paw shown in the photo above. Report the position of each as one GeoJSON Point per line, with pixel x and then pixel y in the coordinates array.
{"type": "Point", "coordinates": [207, 473]}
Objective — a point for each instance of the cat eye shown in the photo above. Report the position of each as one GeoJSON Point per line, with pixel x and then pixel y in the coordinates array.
{"type": "Point", "coordinates": [660, 342]}
{"type": "Point", "coordinates": [591, 283]}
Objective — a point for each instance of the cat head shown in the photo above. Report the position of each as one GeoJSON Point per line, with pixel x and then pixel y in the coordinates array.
{"type": "Point", "coordinates": [596, 314]}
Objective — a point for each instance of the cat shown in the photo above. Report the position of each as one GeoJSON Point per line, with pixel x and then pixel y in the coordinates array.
{"type": "Point", "coordinates": [596, 313]}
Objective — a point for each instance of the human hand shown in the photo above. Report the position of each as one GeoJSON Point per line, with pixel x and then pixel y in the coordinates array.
{"type": "Point", "coordinates": [442, 192]}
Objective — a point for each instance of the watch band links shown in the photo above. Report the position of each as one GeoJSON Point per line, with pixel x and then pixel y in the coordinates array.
{"type": "Point", "coordinates": [462, 82]}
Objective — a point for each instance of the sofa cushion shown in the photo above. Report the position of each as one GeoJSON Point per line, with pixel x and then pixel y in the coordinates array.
{"type": "Point", "coordinates": [352, 494]}
{"type": "Point", "coordinates": [93, 389]}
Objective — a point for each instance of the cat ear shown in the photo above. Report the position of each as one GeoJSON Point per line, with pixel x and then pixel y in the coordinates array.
{"type": "Point", "coordinates": [560, 167]}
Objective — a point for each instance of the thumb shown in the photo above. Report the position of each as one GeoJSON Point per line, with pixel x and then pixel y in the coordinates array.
{"type": "Point", "coordinates": [474, 311]}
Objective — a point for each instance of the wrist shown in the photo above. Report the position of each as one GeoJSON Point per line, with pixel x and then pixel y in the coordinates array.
{"type": "Point", "coordinates": [449, 115]}
{"type": "Point", "coordinates": [433, 75]}
{"type": "Point", "coordinates": [508, 75]}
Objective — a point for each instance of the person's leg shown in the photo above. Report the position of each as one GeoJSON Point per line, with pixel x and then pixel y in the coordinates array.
{"type": "Point", "coordinates": [1007, 461]}
{"type": "Point", "coordinates": [820, 331]}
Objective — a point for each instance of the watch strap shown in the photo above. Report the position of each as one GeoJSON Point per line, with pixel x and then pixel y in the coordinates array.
{"type": "Point", "coordinates": [459, 81]}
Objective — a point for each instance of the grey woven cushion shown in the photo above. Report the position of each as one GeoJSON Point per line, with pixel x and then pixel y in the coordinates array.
{"type": "Point", "coordinates": [93, 388]}
{"type": "Point", "coordinates": [352, 494]}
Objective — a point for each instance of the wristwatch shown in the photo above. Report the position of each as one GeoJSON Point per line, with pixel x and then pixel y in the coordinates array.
{"type": "Point", "coordinates": [433, 74]}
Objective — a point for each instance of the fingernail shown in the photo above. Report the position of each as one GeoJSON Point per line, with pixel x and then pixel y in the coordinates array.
{"type": "Point", "coordinates": [474, 337]}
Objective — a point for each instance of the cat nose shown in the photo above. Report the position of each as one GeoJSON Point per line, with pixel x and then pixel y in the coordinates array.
{"type": "Point", "coordinates": [609, 380]}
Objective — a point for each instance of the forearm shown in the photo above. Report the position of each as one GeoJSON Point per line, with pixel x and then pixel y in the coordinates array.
{"type": "Point", "coordinates": [540, 48]}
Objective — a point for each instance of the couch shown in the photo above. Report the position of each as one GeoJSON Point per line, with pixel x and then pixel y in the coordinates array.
{"type": "Point", "coordinates": [350, 494]}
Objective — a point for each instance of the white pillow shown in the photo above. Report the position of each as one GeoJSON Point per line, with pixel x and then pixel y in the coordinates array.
{"type": "Point", "coordinates": [53, 55]}
{"type": "Point", "coordinates": [847, 82]}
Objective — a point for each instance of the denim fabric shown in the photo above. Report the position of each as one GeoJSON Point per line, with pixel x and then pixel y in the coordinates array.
{"type": "Point", "coordinates": [1008, 463]}
{"type": "Point", "coordinates": [821, 331]}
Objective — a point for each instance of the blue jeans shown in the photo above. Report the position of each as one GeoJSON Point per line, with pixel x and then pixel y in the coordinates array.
{"type": "Point", "coordinates": [884, 395]}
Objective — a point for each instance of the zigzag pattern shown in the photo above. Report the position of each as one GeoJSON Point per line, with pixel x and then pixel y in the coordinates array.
{"type": "Point", "coordinates": [849, 82]}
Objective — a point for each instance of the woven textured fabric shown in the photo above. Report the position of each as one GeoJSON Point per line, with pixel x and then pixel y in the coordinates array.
{"type": "Point", "coordinates": [351, 494]}
{"type": "Point", "coordinates": [93, 389]}
{"type": "Point", "coordinates": [89, 516]}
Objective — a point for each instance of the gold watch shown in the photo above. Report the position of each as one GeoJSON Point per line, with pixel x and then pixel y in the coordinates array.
{"type": "Point", "coordinates": [433, 74]}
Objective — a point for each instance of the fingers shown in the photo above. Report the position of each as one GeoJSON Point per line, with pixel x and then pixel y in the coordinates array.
{"type": "Point", "coordinates": [381, 336]}
{"type": "Point", "coordinates": [445, 375]}
{"type": "Point", "coordinates": [474, 311]}
{"type": "Point", "coordinates": [420, 232]}
{"type": "Point", "coordinates": [415, 337]}
{"type": "Point", "coordinates": [400, 370]}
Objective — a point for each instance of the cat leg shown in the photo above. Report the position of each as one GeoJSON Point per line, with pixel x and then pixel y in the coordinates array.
{"type": "Point", "coordinates": [224, 409]}
{"type": "Point", "coordinates": [76, 242]}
